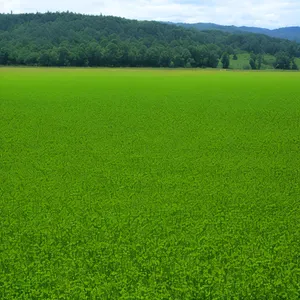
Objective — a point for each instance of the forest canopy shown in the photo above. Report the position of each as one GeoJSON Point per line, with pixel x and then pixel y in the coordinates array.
{"type": "Point", "coordinates": [69, 39]}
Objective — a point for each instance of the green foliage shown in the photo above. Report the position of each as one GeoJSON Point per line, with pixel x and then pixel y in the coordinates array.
{"type": "Point", "coordinates": [260, 59]}
{"type": "Point", "coordinates": [297, 62]}
{"type": "Point", "coordinates": [256, 61]}
{"type": "Point", "coordinates": [283, 61]}
{"type": "Point", "coordinates": [294, 66]}
{"type": "Point", "coordinates": [246, 67]}
{"type": "Point", "coordinates": [225, 60]}
{"type": "Point", "coordinates": [136, 184]}
{"type": "Point", "coordinates": [252, 63]}
{"type": "Point", "coordinates": [68, 39]}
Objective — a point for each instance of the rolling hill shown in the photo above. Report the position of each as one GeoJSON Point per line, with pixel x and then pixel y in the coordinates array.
{"type": "Point", "coordinates": [69, 39]}
{"type": "Point", "coordinates": [289, 33]}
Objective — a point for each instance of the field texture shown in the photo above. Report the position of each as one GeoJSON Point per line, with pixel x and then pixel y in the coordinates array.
{"type": "Point", "coordinates": [143, 184]}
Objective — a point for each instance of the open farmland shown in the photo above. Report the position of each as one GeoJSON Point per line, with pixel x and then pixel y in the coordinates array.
{"type": "Point", "coordinates": [149, 184]}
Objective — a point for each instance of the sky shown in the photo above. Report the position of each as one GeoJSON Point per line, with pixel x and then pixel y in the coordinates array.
{"type": "Point", "coordinates": [259, 13]}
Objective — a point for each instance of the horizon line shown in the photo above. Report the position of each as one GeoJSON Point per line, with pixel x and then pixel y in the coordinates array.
{"type": "Point", "coordinates": [150, 20]}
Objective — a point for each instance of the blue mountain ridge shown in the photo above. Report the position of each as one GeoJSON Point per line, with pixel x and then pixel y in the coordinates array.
{"type": "Point", "coordinates": [289, 33]}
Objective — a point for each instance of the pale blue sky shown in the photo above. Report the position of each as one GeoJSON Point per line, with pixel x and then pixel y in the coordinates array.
{"type": "Point", "coordinates": [260, 13]}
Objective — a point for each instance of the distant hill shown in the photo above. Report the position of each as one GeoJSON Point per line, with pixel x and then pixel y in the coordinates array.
{"type": "Point", "coordinates": [69, 39]}
{"type": "Point", "coordinates": [289, 33]}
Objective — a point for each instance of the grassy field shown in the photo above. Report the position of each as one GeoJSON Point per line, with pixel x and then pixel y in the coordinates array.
{"type": "Point", "coordinates": [149, 184]}
{"type": "Point", "coordinates": [242, 63]}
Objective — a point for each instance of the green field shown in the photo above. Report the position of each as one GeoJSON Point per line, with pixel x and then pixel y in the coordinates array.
{"type": "Point", "coordinates": [149, 184]}
{"type": "Point", "coordinates": [242, 63]}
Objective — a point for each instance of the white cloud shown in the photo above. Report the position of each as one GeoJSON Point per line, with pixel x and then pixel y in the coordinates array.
{"type": "Point", "coordinates": [10, 5]}
{"type": "Point", "coordinates": [263, 13]}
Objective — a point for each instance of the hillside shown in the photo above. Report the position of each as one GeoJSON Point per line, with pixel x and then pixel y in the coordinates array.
{"type": "Point", "coordinates": [289, 33]}
{"type": "Point", "coordinates": [68, 39]}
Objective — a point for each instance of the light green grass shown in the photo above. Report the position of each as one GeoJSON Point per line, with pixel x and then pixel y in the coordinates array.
{"type": "Point", "coordinates": [242, 63]}
{"type": "Point", "coordinates": [144, 184]}
{"type": "Point", "coordinates": [297, 61]}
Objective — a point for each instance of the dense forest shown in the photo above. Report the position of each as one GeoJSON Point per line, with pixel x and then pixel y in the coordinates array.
{"type": "Point", "coordinates": [69, 39]}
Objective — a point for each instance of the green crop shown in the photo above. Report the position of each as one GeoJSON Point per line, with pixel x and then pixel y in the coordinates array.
{"type": "Point", "coordinates": [144, 184]}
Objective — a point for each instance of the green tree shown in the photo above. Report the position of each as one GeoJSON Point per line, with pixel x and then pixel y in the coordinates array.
{"type": "Point", "coordinates": [259, 61]}
{"type": "Point", "coordinates": [63, 56]}
{"type": "Point", "coordinates": [252, 64]}
{"type": "Point", "coordinates": [93, 55]}
{"type": "Point", "coordinates": [294, 65]}
{"type": "Point", "coordinates": [112, 55]}
{"type": "Point", "coordinates": [45, 59]}
{"type": "Point", "coordinates": [225, 60]}
{"type": "Point", "coordinates": [164, 59]}
{"type": "Point", "coordinates": [3, 57]}
{"type": "Point", "coordinates": [152, 57]}
{"type": "Point", "coordinates": [283, 61]}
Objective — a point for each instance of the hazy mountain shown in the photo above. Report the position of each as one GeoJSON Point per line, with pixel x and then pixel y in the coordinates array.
{"type": "Point", "coordinates": [289, 33]}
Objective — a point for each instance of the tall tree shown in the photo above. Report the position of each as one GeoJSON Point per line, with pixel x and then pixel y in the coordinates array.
{"type": "Point", "coordinates": [225, 60]}
{"type": "Point", "coordinates": [283, 61]}
{"type": "Point", "coordinates": [252, 61]}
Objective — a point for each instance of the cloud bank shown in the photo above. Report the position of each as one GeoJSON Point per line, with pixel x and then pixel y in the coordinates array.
{"type": "Point", "coordinates": [264, 13]}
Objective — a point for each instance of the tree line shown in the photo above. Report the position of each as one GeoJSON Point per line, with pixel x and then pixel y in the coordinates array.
{"type": "Point", "coordinates": [69, 39]}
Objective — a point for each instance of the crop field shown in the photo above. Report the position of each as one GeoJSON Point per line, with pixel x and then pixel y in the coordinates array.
{"type": "Point", "coordinates": [149, 184]}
